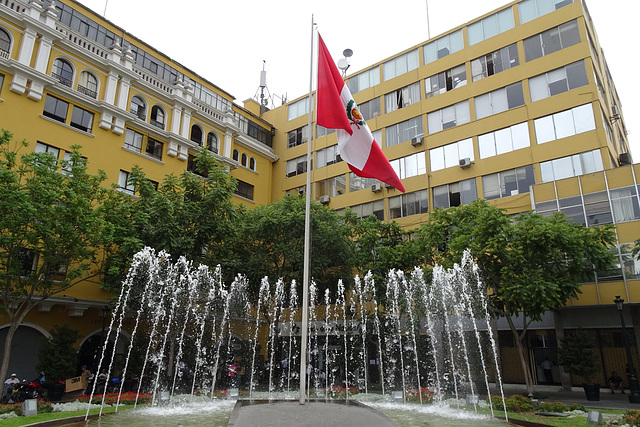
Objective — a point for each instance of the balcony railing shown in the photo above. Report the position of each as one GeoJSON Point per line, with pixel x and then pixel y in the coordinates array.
{"type": "Point", "coordinates": [65, 81]}
{"type": "Point", "coordinates": [87, 91]}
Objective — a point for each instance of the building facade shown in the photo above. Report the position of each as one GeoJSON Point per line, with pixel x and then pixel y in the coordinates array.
{"type": "Point", "coordinates": [517, 107]}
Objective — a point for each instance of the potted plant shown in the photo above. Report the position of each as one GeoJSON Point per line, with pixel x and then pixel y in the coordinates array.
{"type": "Point", "coordinates": [577, 355]}
{"type": "Point", "coordinates": [58, 358]}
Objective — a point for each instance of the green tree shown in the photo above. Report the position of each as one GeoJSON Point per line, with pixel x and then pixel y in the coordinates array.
{"type": "Point", "coordinates": [57, 357]}
{"type": "Point", "coordinates": [270, 242]}
{"type": "Point", "coordinates": [190, 215]}
{"type": "Point", "coordinates": [53, 233]}
{"type": "Point", "coordinates": [529, 263]}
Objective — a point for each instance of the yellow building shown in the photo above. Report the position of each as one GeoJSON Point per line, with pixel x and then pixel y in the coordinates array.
{"type": "Point", "coordinates": [516, 99]}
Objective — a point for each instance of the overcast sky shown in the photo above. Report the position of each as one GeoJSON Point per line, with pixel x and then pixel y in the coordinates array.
{"type": "Point", "coordinates": [226, 42]}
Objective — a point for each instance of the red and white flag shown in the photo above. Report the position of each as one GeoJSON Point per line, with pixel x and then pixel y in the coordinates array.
{"type": "Point", "coordinates": [336, 109]}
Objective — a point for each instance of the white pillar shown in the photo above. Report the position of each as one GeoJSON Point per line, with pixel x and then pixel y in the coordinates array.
{"type": "Point", "coordinates": [186, 124]}
{"type": "Point", "coordinates": [26, 49]}
{"type": "Point", "coordinates": [227, 144]}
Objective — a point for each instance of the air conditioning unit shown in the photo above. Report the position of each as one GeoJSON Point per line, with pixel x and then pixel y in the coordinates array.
{"type": "Point", "coordinates": [376, 188]}
{"type": "Point", "coordinates": [465, 163]}
{"type": "Point", "coordinates": [624, 159]}
{"type": "Point", "coordinates": [417, 140]}
{"type": "Point", "coordinates": [325, 199]}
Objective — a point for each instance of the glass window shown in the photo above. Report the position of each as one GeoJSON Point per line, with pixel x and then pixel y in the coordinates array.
{"type": "Point", "coordinates": [5, 44]}
{"type": "Point", "coordinates": [133, 140]}
{"type": "Point", "coordinates": [624, 202]}
{"type": "Point", "coordinates": [490, 26]}
{"type": "Point", "coordinates": [449, 117]}
{"type": "Point", "coordinates": [244, 159]}
{"type": "Point", "coordinates": [404, 131]}
{"type": "Point", "coordinates": [157, 117]}
{"type": "Point", "coordinates": [49, 149]}
{"type": "Point", "coordinates": [495, 62]}
{"type": "Point", "coordinates": [55, 108]}
{"type": "Point", "coordinates": [575, 165]}
{"type": "Point", "coordinates": [81, 119]}
{"type": "Point", "coordinates": [297, 166]}
{"type": "Point", "coordinates": [298, 108]}
{"type": "Point", "coordinates": [298, 136]}
{"type": "Point", "coordinates": [596, 205]}
{"type": "Point", "coordinates": [196, 134]}
{"type": "Point", "coordinates": [236, 155]}
{"type": "Point", "coordinates": [450, 155]}
{"type": "Point", "coordinates": [443, 46]}
{"type": "Point", "coordinates": [252, 163]}
{"type": "Point", "coordinates": [154, 148]}
{"type": "Point", "coordinates": [400, 65]}
{"type": "Point", "coordinates": [357, 183]}
{"type": "Point", "coordinates": [138, 107]}
{"type": "Point", "coordinates": [88, 84]}
{"type": "Point", "coordinates": [369, 110]}
{"type": "Point", "coordinates": [1, 82]}
{"type": "Point", "coordinates": [244, 189]}
{"type": "Point", "coordinates": [532, 9]}
{"type": "Point", "coordinates": [408, 204]}
{"type": "Point", "coordinates": [124, 183]}
{"type": "Point", "coordinates": [558, 81]}
{"type": "Point", "coordinates": [456, 194]}
{"type": "Point", "coordinates": [375, 208]}
{"type": "Point", "coordinates": [409, 166]}
{"type": "Point", "coordinates": [62, 71]}
{"type": "Point", "coordinates": [551, 41]}
{"type": "Point", "coordinates": [327, 156]}
{"type": "Point", "coordinates": [499, 100]}
{"type": "Point", "coordinates": [364, 80]}
{"type": "Point", "coordinates": [402, 97]}
{"type": "Point", "coordinates": [564, 124]}
{"type": "Point", "coordinates": [508, 183]}
{"type": "Point", "coordinates": [445, 81]}
{"type": "Point", "coordinates": [331, 187]}
{"type": "Point", "coordinates": [212, 142]}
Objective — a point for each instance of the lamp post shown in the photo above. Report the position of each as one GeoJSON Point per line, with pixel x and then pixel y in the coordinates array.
{"type": "Point", "coordinates": [634, 396]}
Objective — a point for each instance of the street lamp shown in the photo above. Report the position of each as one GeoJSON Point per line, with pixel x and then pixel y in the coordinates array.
{"type": "Point", "coordinates": [634, 397]}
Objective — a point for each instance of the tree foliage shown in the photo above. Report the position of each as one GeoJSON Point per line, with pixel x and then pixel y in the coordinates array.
{"type": "Point", "coordinates": [57, 357]}
{"type": "Point", "coordinates": [270, 242]}
{"type": "Point", "coordinates": [188, 215]}
{"type": "Point", "coordinates": [529, 263]}
{"type": "Point", "coordinates": [53, 231]}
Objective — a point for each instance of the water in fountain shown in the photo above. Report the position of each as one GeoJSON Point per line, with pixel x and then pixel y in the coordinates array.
{"type": "Point", "coordinates": [426, 340]}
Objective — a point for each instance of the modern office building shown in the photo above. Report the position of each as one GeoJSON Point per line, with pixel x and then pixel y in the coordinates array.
{"type": "Point", "coordinates": [517, 107]}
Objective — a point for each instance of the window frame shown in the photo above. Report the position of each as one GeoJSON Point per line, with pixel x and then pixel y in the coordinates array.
{"type": "Point", "coordinates": [53, 113]}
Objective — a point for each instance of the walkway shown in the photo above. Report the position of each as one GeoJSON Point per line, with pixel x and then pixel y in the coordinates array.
{"type": "Point", "coordinates": [312, 414]}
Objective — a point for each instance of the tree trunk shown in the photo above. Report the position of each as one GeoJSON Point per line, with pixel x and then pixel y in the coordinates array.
{"type": "Point", "coordinates": [523, 359]}
{"type": "Point", "coordinates": [16, 319]}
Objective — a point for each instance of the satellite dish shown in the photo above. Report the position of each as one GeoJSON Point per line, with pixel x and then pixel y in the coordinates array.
{"type": "Point", "coordinates": [347, 53]}
{"type": "Point", "coordinates": [343, 64]}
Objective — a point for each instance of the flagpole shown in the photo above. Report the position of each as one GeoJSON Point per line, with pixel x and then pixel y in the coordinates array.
{"type": "Point", "coordinates": [307, 241]}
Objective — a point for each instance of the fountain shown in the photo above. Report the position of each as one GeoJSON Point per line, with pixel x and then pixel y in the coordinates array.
{"type": "Point", "coordinates": [194, 339]}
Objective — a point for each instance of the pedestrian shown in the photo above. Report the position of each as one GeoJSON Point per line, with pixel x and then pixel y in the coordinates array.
{"type": "Point", "coordinates": [12, 380]}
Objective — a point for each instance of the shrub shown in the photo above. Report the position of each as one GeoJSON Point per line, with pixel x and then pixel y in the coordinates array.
{"type": "Point", "coordinates": [631, 417]}
{"type": "Point", "coordinates": [337, 392]}
{"type": "Point", "coordinates": [128, 398]}
{"type": "Point", "coordinates": [11, 407]}
{"type": "Point", "coordinates": [518, 403]}
{"type": "Point", "coordinates": [553, 407]}
{"type": "Point", "coordinates": [428, 393]}
{"type": "Point", "coordinates": [496, 403]}
{"type": "Point", "coordinates": [577, 407]}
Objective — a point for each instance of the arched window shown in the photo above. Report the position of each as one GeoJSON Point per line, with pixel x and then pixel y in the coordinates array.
{"type": "Point", "coordinates": [138, 107]}
{"type": "Point", "coordinates": [5, 44]}
{"type": "Point", "coordinates": [63, 71]}
{"type": "Point", "coordinates": [196, 134]}
{"type": "Point", "coordinates": [236, 155]}
{"type": "Point", "coordinates": [157, 116]}
{"type": "Point", "coordinates": [244, 159]}
{"type": "Point", "coordinates": [252, 163]}
{"type": "Point", "coordinates": [212, 142]}
{"type": "Point", "coordinates": [88, 84]}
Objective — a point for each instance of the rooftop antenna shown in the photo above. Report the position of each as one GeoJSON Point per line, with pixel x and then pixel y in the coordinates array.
{"type": "Point", "coordinates": [265, 96]}
{"type": "Point", "coordinates": [343, 63]}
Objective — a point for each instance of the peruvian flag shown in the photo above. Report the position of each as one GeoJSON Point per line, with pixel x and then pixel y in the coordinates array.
{"type": "Point", "coordinates": [337, 110]}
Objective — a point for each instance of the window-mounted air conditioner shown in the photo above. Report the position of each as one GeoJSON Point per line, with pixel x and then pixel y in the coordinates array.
{"type": "Point", "coordinates": [325, 199]}
{"type": "Point", "coordinates": [376, 188]}
{"type": "Point", "coordinates": [465, 163]}
{"type": "Point", "coordinates": [417, 140]}
{"type": "Point", "coordinates": [624, 159]}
